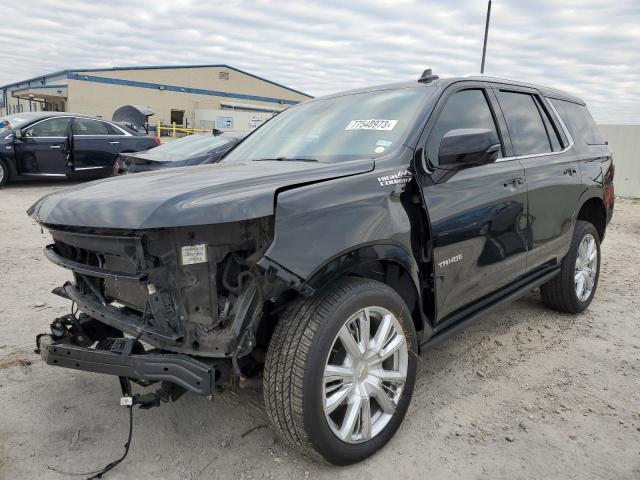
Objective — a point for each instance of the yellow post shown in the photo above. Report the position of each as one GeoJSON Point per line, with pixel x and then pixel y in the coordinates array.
{"type": "Point", "coordinates": [158, 131]}
{"type": "Point", "coordinates": [174, 130]}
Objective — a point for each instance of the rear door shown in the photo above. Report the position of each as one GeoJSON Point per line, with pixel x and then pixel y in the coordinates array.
{"type": "Point", "coordinates": [551, 170]}
{"type": "Point", "coordinates": [477, 214]}
{"type": "Point", "coordinates": [43, 148]}
{"type": "Point", "coordinates": [96, 145]}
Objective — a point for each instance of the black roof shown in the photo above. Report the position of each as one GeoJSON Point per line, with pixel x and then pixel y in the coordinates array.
{"type": "Point", "coordinates": [443, 83]}
{"type": "Point", "coordinates": [37, 115]}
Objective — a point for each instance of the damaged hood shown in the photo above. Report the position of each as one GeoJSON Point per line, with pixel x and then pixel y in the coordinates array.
{"type": "Point", "coordinates": [199, 195]}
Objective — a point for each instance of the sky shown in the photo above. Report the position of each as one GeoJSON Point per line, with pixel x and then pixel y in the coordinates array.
{"type": "Point", "coordinates": [589, 48]}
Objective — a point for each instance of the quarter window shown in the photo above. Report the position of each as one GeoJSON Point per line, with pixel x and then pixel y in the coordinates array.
{"type": "Point", "coordinates": [465, 109]}
{"type": "Point", "coordinates": [86, 126]}
{"type": "Point", "coordinates": [52, 127]}
{"type": "Point", "coordinates": [526, 127]}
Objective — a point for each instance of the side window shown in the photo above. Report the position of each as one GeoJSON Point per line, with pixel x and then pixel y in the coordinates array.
{"type": "Point", "coordinates": [86, 126]}
{"type": "Point", "coordinates": [526, 127]}
{"type": "Point", "coordinates": [464, 109]}
{"type": "Point", "coordinates": [53, 127]}
{"type": "Point", "coordinates": [578, 121]}
{"type": "Point", "coordinates": [113, 130]}
{"type": "Point", "coordinates": [552, 129]}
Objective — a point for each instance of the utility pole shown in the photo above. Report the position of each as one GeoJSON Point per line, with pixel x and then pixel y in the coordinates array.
{"type": "Point", "coordinates": [486, 34]}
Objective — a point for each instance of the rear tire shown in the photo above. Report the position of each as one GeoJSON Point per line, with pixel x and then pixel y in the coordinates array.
{"type": "Point", "coordinates": [572, 290]}
{"type": "Point", "coordinates": [4, 173]}
{"type": "Point", "coordinates": [321, 399]}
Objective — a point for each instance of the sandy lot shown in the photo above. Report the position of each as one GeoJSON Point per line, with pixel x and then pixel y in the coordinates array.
{"type": "Point", "coordinates": [526, 393]}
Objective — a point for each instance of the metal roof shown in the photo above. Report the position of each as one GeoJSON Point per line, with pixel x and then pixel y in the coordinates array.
{"type": "Point", "coordinates": [150, 67]}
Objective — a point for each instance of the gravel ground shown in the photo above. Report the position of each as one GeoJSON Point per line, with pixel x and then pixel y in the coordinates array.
{"type": "Point", "coordinates": [526, 393]}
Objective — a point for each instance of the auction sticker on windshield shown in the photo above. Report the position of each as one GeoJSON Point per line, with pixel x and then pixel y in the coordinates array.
{"type": "Point", "coordinates": [371, 124]}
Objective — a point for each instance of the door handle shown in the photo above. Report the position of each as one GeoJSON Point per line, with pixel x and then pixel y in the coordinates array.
{"type": "Point", "coordinates": [55, 147]}
{"type": "Point", "coordinates": [570, 171]}
{"type": "Point", "coordinates": [514, 182]}
{"type": "Point", "coordinates": [114, 143]}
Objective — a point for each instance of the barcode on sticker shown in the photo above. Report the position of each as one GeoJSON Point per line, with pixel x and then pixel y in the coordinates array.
{"type": "Point", "coordinates": [371, 124]}
{"type": "Point", "coordinates": [194, 254]}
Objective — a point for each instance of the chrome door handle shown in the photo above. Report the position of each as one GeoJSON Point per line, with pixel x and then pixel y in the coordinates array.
{"type": "Point", "coordinates": [514, 182]}
{"type": "Point", "coordinates": [55, 147]}
{"type": "Point", "coordinates": [114, 143]}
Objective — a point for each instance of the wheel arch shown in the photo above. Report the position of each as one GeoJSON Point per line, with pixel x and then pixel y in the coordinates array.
{"type": "Point", "coordinates": [592, 209]}
{"type": "Point", "coordinates": [388, 263]}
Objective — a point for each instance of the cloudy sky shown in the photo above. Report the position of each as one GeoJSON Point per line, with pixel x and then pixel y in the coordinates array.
{"type": "Point", "coordinates": [588, 47]}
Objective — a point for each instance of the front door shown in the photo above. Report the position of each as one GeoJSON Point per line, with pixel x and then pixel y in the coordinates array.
{"type": "Point", "coordinates": [478, 214]}
{"type": "Point", "coordinates": [43, 148]}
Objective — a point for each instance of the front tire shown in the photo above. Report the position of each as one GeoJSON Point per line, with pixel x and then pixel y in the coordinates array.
{"type": "Point", "coordinates": [340, 371]}
{"type": "Point", "coordinates": [573, 289]}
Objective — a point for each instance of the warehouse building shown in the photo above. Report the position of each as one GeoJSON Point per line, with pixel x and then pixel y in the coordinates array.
{"type": "Point", "coordinates": [192, 96]}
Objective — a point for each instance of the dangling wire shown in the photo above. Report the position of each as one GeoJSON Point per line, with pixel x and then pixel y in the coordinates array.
{"type": "Point", "coordinates": [99, 473]}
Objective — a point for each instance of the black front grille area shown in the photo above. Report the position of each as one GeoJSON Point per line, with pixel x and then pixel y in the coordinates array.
{"type": "Point", "coordinates": [118, 263]}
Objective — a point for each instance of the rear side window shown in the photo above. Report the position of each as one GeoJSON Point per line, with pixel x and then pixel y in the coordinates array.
{"type": "Point", "coordinates": [578, 121]}
{"type": "Point", "coordinates": [113, 130]}
{"type": "Point", "coordinates": [465, 109]}
{"type": "Point", "coordinates": [526, 127]}
{"type": "Point", "coordinates": [85, 126]}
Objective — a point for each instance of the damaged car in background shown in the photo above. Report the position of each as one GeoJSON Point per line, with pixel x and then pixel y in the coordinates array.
{"type": "Point", "coordinates": [329, 247]}
{"type": "Point", "coordinates": [197, 149]}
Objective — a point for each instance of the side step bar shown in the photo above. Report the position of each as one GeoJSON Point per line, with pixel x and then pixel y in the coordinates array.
{"type": "Point", "coordinates": [464, 322]}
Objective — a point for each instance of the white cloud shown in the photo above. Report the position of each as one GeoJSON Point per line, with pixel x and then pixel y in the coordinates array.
{"type": "Point", "coordinates": [584, 46]}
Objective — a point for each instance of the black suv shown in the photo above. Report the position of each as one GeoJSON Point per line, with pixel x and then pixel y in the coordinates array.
{"type": "Point", "coordinates": [331, 246]}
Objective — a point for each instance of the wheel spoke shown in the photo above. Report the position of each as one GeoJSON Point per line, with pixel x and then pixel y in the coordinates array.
{"type": "Point", "coordinates": [386, 324]}
{"type": "Point", "coordinates": [336, 399]}
{"type": "Point", "coordinates": [351, 418]}
{"type": "Point", "coordinates": [337, 372]}
{"type": "Point", "coordinates": [392, 347]}
{"type": "Point", "coordinates": [388, 375]}
{"type": "Point", "coordinates": [365, 419]}
{"type": "Point", "coordinates": [381, 397]}
{"type": "Point", "coordinates": [365, 330]}
{"type": "Point", "coordinates": [349, 343]}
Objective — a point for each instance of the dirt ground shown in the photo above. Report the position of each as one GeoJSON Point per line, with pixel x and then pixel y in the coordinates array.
{"type": "Point", "coordinates": [526, 393]}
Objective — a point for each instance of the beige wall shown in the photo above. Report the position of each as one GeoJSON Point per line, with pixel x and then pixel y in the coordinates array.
{"type": "Point", "coordinates": [206, 78]}
{"type": "Point", "coordinates": [102, 99]}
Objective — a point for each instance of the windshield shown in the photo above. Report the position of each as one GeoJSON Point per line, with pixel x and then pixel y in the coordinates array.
{"type": "Point", "coordinates": [11, 121]}
{"type": "Point", "coordinates": [192, 145]}
{"type": "Point", "coordinates": [362, 125]}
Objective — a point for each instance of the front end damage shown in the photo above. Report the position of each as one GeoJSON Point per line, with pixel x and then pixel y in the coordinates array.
{"type": "Point", "coordinates": [190, 306]}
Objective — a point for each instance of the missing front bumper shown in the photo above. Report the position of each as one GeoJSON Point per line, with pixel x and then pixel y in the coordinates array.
{"type": "Point", "coordinates": [181, 370]}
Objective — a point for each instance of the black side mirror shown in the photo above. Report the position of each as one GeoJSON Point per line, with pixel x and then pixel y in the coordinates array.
{"type": "Point", "coordinates": [17, 134]}
{"type": "Point", "coordinates": [468, 147]}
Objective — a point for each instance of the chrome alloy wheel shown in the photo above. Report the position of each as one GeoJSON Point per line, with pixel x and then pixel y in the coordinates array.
{"type": "Point", "coordinates": [1, 173]}
{"type": "Point", "coordinates": [365, 374]}
{"type": "Point", "coordinates": [586, 267]}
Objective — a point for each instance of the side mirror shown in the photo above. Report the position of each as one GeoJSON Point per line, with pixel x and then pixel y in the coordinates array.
{"type": "Point", "coordinates": [17, 134]}
{"type": "Point", "coordinates": [468, 147]}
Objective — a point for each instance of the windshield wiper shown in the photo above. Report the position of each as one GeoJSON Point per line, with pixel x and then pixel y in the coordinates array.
{"type": "Point", "coordinates": [285, 159]}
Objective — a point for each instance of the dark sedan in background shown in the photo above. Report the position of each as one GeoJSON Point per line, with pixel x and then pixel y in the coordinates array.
{"type": "Point", "coordinates": [196, 149]}
{"type": "Point", "coordinates": [59, 144]}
